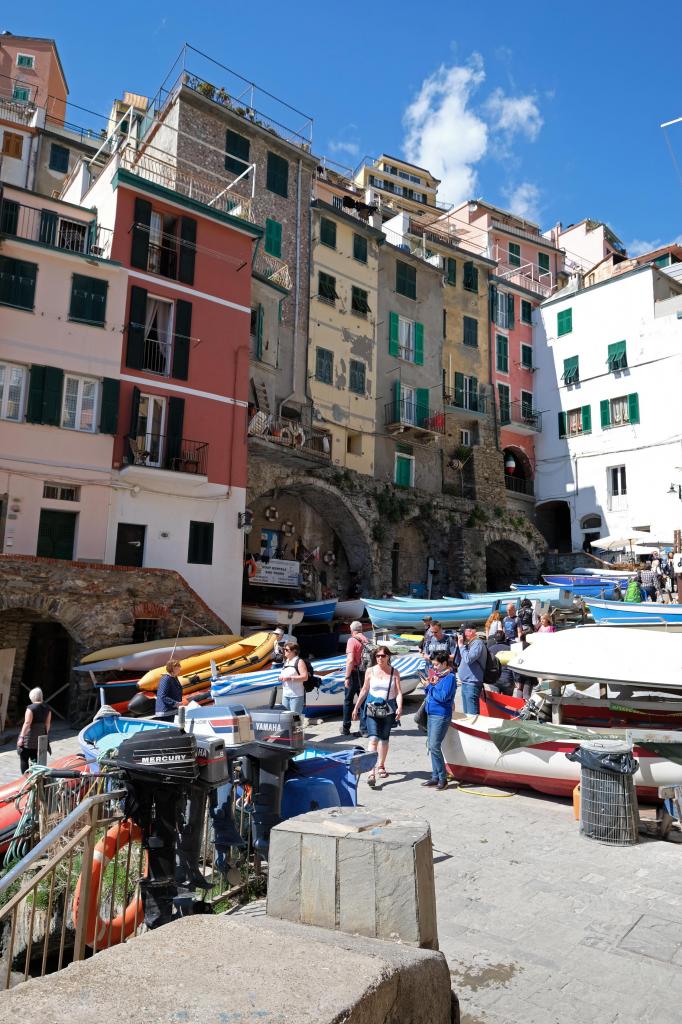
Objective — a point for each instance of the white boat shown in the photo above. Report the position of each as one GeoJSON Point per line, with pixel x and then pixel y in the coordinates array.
{"type": "Point", "coordinates": [349, 611]}
{"type": "Point", "coordinates": [254, 615]}
{"type": "Point", "coordinates": [145, 656]}
{"type": "Point", "coordinates": [530, 755]}
{"type": "Point", "coordinates": [611, 655]}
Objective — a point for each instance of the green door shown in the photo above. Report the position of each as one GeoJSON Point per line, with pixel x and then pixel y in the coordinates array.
{"type": "Point", "coordinates": [56, 534]}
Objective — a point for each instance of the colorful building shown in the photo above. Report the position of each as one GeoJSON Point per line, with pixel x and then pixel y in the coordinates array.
{"type": "Point", "coordinates": [392, 184]}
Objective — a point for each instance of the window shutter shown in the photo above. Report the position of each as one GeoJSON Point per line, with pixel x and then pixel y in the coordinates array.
{"type": "Point", "coordinates": [459, 390]}
{"type": "Point", "coordinates": [52, 395]}
{"type": "Point", "coordinates": [419, 344]}
{"type": "Point", "coordinates": [510, 310]}
{"type": "Point", "coordinates": [422, 406]}
{"type": "Point", "coordinates": [473, 394]}
{"type": "Point", "coordinates": [393, 335]}
{"type": "Point", "coordinates": [92, 235]}
{"type": "Point", "coordinates": [633, 407]}
{"type": "Point", "coordinates": [562, 424]}
{"type": "Point", "coordinates": [136, 320]}
{"type": "Point", "coordinates": [36, 388]}
{"type": "Point", "coordinates": [259, 332]}
{"type": "Point", "coordinates": [108, 419]}
{"type": "Point", "coordinates": [48, 227]}
{"type": "Point", "coordinates": [25, 292]}
{"type": "Point", "coordinates": [396, 399]}
{"type": "Point", "coordinates": [493, 303]}
{"type": "Point", "coordinates": [605, 412]}
{"type": "Point", "coordinates": [9, 216]}
{"type": "Point", "coordinates": [238, 149]}
{"type": "Point", "coordinates": [451, 270]}
{"type": "Point", "coordinates": [586, 418]}
{"type": "Point", "coordinates": [181, 341]}
{"type": "Point", "coordinates": [360, 248]}
{"type": "Point", "coordinates": [273, 237]}
{"type": "Point", "coordinates": [139, 252]}
{"type": "Point", "coordinates": [134, 412]}
{"type": "Point", "coordinates": [188, 239]}
{"type": "Point", "coordinates": [176, 416]}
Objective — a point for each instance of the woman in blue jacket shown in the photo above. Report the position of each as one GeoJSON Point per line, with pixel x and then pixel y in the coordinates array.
{"type": "Point", "coordinates": [440, 696]}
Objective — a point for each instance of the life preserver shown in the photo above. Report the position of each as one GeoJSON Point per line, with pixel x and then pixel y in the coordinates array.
{"type": "Point", "coordinates": [288, 528]}
{"type": "Point", "coordinates": [97, 929]}
{"type": "Point", "coordinates": [251, 568]}
{"type": "Point", "coordinates": [271, 513]}
{"type": "Point", "coordinates": [329, 558]}
{"type": "Point", "coordinates": [298, 439]}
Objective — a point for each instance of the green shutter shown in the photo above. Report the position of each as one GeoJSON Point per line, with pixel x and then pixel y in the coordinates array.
{"type": "Point", "coordinates": [459, 390]}
{"type": "Point", "coordinates": [47, 233]}
{"type": "Point", "coordinates": [451, 270]}
{"type": "Point", "coordinates": [422, 406]}
{"type": "Point", "coordinates": [393, 335]}
{"type": "Point", "coordinates": [564, 322]}
{"type": "Point", "coordinates": [52, 396]}
{"type": "Point", "coordinates": [188, 241]}
{"type": "Point", "coordinates": [238, 149]}
{"type": "Point", "coordinates": [543, 261]}
{"type": "Point", "coordinates": [562, 424]}
{"type": "Point", "coordinates": [328, 232]}
{"type": "Point", "coordinates": [182, 339]}
{"type": "Point", "coordinates": [36, 388]}
{"type": "Point", "coordinates": [108, 418]}
{"type": "Point", "coordinates": [259, 332]}
{"type": "Point", "coordinates": [586, 419]}
{"type": "Point", "coordinates": [176, 415]}
{"type": "Point", "coordinates": [360, 248]}
{"type": "Point", "coordinates": [510, 311]}
{"type": "Point", "coordinates": [134, 411]}
{"type": "Point", "coordinates": [17, 283]}
{"type": "Point", "coordinates": [88, 300]}
{"type": "Point", "coordinates": [140, 244]}
{"type": "Point", "coordinates": [493, 302]}
{"type": "Point", "coordinates": [502, 348]}
{"type": "Point", "coordinates": [605, 412]}
{"type": "Point", "coordinates": [419, 344]}
{"type": "Point", "coordinates": [136, 320]}
{"type": "Point", "coordinates": [9, 217]}
{"type": "Point", "coordinates": [273, 237]}
{"type": "Point", "coordinates": [633, 407]}
{"type": "Point", "coordinates": [571, 374]}
{"type": "Point", "coordinates": [277, 175]}
{"type": "Point", "coordinates": [617, 356]}
{"type": "Point", "coordinates": [473, 394]}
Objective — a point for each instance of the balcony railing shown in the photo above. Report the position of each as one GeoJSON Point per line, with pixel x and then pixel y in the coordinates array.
{"type": "Point", "coordinates": [516, 414]}
{"type": "Point", "coordinates": [18, 111]}
{"type": "Point", "coordinates": [290, 434]}
{"type": "Point", "coordinates": [159, 451]}
{"type": "Point", "coordinates": [436, 236]}
{"type": "Point", "coordinates": [466, 402]}
{"type": "Point", "coordinates": [272, 269]}
{"type": "Point", "coordinates": [51, 228]}
{"type": "Point", "coordinates": [519, 485]}
{"type": "Point", "coordinates": [525, 275]}
{"type": "Point", "coordinates": [409, 415]}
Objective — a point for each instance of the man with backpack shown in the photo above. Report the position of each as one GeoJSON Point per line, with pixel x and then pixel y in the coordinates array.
{"type": "Point", "coordinates": [358, 660]}
{"type": "Point", "coordinates": [473, 658]}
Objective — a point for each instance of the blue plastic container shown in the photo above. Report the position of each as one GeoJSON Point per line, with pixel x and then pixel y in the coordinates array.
{"type": "Point", "coordinates": [301, 795]}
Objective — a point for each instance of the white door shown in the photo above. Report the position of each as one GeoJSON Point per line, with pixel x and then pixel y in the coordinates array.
{"type": "Point", "coordinates": [408, 405]}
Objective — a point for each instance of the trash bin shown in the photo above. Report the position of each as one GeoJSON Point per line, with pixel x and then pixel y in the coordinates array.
{"type": "Point", "coordinates": [608, 799]}
{"type": "Point", "coordinates": [342, 767]}
{"type": "Point", "coordinates": [301, 795]}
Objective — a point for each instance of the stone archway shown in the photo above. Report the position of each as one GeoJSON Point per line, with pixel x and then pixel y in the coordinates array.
{"type": "Point", "coordinates": [512, 559]}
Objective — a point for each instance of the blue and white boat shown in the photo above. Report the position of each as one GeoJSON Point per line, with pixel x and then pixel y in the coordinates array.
{"type": "Point", "coordinates": [584, 580]}
{"type": "Point", "coordinates": [408, 613]}
{"type": "Point", "coordinates": [255, 689]}
{"type": "Point", "coordinates": [646, 613]}
{"type": "Point", "coordinates": [313, 611]}
{"type": "Point", "coordinates": [107, 732]}
{"type": "Point", "coordinates": [545, 595]}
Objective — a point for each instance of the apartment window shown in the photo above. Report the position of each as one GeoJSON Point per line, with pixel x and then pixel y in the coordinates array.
{"type": "Point", "coordinates": [12, 145]}
{"type": "Point", "coordinates": [527, 357]}
{"type": "Point", "coordinates": [273, 237]}
{"type": "Point", "coordinates": [353, 443]}
{"type": "Point", "coordinates": [514, 254]}
{"type": "Point", "coordinates": [12, 388]}
{"type": "Point", "coordinates": [357, 377]}
{"type": "Point", "coordinates": [406, 339]}
{"type": "Point", "coordinates": [504, 403]}
{"type": "Point", "coordinates": [405, 279]}
{"type": "Point", "coordinates": [73, 235]}
{"type": "Point", "coordinates": [543, 262]}
{"type": "Point", "coordinates": [328, 232]}
{"type": "Point", "coordinates": [25, 60]}
{"type": "Point", "coordinates": [571, 374]}
{"type": "Point", "coordinates": [526, 312]}
{"type": "Point", "coordinates": [502, 353]}
{"type": "Point", "coordinates": [324, 365]}
{"type": "Point", "coordinates": [470, 277]}
{"type": "Point", "coordinates": [21, 93]}
{"type": "Point", "coordinates": [17, 283]}
{"type": "Point", "coordinates": [450, 270]}
{"type": "Point", "coordinates": [616, 483]}
{"type": "Point", "coordinates": [9, 216]}
{"type": "Point", "coordinates": [527, 411]}
{"type": "Point", "coordinates": [470, 331]}
{"type": "Point", "coordinates": [158, 336]}
{"type": "Point", "coordinates": [88, 300]}
{"type": "Point", "coordinates": [403, 473]}
{"type": "Point", "coordinates": [618, 412]}
{"type": "Point", "coordinates": [200, 547]}
{"type": "Point", "coordinates": [617, 356]}
{"type": "Point", "coordinates": [277, 177]}
{"type": "Point", "coordinates": [575, 421]}
{"type": "Point", "coordinates": [163, 243]}
{"type": "Point", "coordinates": [466, 392]}
{"type": "Point", "coordinates": [61, 492]}
{"type": "Point", "coordinates": [326, 287]}
{"type": "Point", "coordinates": [564, 322]}
{"type": "Point", "coordinates": [359, 304]}
{"type": "Point", "coordinates": [360, 248]}
{"type": "Point", "coordinates": [257, 319]}
{"type": "Point", "coordinates": [236, 152]}
{"type": "Point", "coordinates": [465, 438]}
{"type": "Point", "coordinates": [503, 309]}
{"type": "Point", "coordinates": [79, 403]}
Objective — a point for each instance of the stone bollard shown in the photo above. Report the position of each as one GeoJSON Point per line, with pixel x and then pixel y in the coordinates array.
{"type": "Point", "coordinates": [351, 871]}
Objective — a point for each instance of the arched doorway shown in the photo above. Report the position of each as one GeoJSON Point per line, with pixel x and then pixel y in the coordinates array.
{"type": "Point", "coordinates": [591, 526]}
{"type": "Point", "coordinates": [554, 523]}
{"type": "Point", "coordinates": [508, 562]}
{"type": "Point", "coordinates": [45, 652]}
{"type": "Point", "coordinates": [518, 471]}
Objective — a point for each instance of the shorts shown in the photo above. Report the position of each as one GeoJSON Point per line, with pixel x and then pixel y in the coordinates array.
{"type": "Point", "coordinates": [380, 728]}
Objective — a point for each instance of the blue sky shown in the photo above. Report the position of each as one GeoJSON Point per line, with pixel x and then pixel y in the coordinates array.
{"type": "Point", "coordinates": [553, 114]}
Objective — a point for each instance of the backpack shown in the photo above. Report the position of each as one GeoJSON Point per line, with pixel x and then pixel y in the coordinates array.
{"type": "Point", "coordinates": [492, 669]}
{"type": "Point", "coordinates": [368, 650]}
{"type": "Point", "coordinates": [313, 681]}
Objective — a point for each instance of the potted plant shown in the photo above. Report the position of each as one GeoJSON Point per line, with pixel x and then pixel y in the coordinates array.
{"type": "Point", "coordinates": [206, 89]}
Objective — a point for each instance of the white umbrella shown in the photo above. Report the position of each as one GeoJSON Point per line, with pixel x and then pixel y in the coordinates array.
{"type": "Point", "coordinates": [623, 543]}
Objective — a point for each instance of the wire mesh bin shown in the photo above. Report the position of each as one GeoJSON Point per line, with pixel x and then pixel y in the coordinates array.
{"type": "Point", "coordinates": [608, 799]}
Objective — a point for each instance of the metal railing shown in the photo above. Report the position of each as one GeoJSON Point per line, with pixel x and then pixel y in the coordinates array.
{"type": "Point", "coordinates": [53, 229]}
{"type": "Point", "coordinates": [467, 402]}
{"type": "Point", "coordinates": [407, 414]}
{"type": "Point", "coordinates": [161, 451]}
{"type": "Point", "coordinates": [290, 434]}
{"type": "Point", "coordinates": [156, 354]}
{"type": "Point", "coordinates": [527, 275]}
{"type": "Point", "coordinates": [18, 111]}
{"type": "Point", "coordinates": [519, 485]}
{"type": "Point", "coordinates": [519, 415]}
{"type": "Point", "coordinates": [428, 233]}
{"type": "Point", "coordinates": [272, 269]}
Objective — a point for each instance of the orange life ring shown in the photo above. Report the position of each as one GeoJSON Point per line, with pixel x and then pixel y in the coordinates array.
{"type": "Point", "coordinates": [119, 928]}
{"type": "Point", "coordinates": [251, 568]}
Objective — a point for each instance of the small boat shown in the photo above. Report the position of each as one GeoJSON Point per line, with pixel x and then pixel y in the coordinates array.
{"type": "Point", "coordinates": [254, 615]}
{"type": "Point", "coordinates": [409, 613]}
{"type": "Point", "coordinates": [350, 610]}
{"type": "Point", "coordinates": [142, 657]}
{"type": "Point", "coordinates": [496, 752]}
{"type": "Point", "coordinates": [558, 597]}
{"type": "Point", "coordinates": [12, 808]}
{"type": "Point", "coordinates": [313, 611]}
{"type": "Point", "coordinates": [105, 733]}
{"type": "Point", "coordinates": [246, 655]}
{"type": "Point", "coordinates": [636, 614]}
{"type": "Point", "coordinates": [587, 580]}
{"type": "Point", "coordinates": [613, 712]}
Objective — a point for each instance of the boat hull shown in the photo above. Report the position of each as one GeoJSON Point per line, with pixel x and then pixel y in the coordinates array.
{"type": "Point", "coordinates": [142, 657]}
{"type": "Point", "coordinates": [253, 615]}
{"type": "Point", "coordinates": [313, 611]}
{"type": "Point", "coordinates": [610, 714]}
{"type": "Point", "coordinates": [405, 614]}
{"type": "Point", "coordinates": [350, 610]}
{"type": "Point", "coordinates": [622, 613]}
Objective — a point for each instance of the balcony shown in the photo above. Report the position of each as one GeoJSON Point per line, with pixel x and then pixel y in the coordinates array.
{"type": "Point", "coordinates": [518, 485]}
{"type": "Point", "coordinates": [466, 403]}
{"type": "Point", "coordinates": [271, 269]}
{"type": "Point", "coordinates": [407, 415]}
{"type": "Point", "coordinates": [429, 234]}
{"type": "Point", "coordinates": [173, 454]}
{"type": "Point", "coordinates": [52, 229]}
{"type": "Point", "coordinates": [295, 444]}
{"type": "Point", "coordinates": [520, 417]}
{"type": "Point", "coordinates": [525, 275]}
{"type": "Point", "coordinates": [18, 112]}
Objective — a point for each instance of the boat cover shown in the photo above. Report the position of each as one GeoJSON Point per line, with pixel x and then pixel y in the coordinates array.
{"type": "Point", "coordinates": [515, 733]}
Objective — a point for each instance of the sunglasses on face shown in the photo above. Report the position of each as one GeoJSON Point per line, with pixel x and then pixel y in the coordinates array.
{"type": "Point", "coordinates": [382, 655]}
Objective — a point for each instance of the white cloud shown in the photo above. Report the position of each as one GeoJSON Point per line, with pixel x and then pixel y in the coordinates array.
{"type": "Point", "coordinates": [524, 200]}
{"type": "Point", "coordinates": [514, 114]}
{"type": "Point", "coordinates": [638, 246]}
{"type": "Point", "coordinates": [350, 148]}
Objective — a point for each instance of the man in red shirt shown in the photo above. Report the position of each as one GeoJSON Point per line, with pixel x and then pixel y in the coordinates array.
{"type": "Point", "coordinates": [354, 678]}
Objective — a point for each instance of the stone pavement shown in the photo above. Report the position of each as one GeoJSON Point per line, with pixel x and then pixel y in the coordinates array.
{"type": "Point", "coordinates": [539, 925]}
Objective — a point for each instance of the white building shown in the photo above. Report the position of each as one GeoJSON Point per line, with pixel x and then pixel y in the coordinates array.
{"type": "Point", "coordinates": [609, 366]}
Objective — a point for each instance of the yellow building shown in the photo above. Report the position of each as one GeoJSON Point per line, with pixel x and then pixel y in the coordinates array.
{"type": "Point", "coordinates": [393, 184]}
{"type": "Point", "coordinates": [343, 320]}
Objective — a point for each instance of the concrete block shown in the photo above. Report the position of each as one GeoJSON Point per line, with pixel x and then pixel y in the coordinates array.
{"type": "Point", "coordinates": [357, 905]}
{"type": "Point", "coordinates": [318, 881]}
{"type": "Point", "coordinates": [284, 874]}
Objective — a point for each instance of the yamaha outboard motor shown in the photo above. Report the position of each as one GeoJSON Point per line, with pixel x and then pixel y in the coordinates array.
{"type": "Point", "coordinates": [279, 737]}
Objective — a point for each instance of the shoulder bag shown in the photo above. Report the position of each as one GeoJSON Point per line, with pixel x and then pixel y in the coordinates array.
{"type": "Point", "coordinates": [381, 708]}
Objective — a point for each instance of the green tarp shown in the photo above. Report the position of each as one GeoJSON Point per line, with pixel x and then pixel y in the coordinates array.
{"type": "Point", "coordinates": [514, 734]}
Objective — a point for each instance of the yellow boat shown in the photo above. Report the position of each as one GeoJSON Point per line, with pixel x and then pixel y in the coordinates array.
{"type": "Point", "coordinates": [246, 655]}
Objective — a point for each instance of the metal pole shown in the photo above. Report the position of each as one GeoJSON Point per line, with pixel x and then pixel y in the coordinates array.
{"type": "Point", "coordinates": [86, 883]}
{"type": "Point", "coordinates": [42, 751]}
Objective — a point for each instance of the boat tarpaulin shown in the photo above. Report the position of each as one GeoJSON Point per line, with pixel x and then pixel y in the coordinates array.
{"type": "Point", "coordinates": [515, 733]}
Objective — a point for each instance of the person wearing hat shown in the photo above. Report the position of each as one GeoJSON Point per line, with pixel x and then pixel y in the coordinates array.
{"type": "Point", "coordinates": [278, 649]}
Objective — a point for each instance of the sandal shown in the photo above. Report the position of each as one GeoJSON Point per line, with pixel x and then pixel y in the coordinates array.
{"type": "Point", "coordinates": [371, 780]}
{"type": "Point", "coordinates": [382, 773]}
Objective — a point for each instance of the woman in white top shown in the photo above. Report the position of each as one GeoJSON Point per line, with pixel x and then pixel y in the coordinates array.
{"type": "Point", "coordinates": [381, 685]}
{"type": "Point", "coordinates": [292, 677]}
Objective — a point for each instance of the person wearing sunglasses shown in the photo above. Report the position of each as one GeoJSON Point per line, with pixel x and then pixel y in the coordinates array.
{"type": "Point", "coordinates": [384, 699]}
{"type": "Point", "coordinates": [292, 677]}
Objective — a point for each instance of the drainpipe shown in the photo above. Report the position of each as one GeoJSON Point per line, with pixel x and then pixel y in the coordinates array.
{"type": "Point", "coordinates": [297, 286]}
{"type": "Point", "coordinates": [490, 369]}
